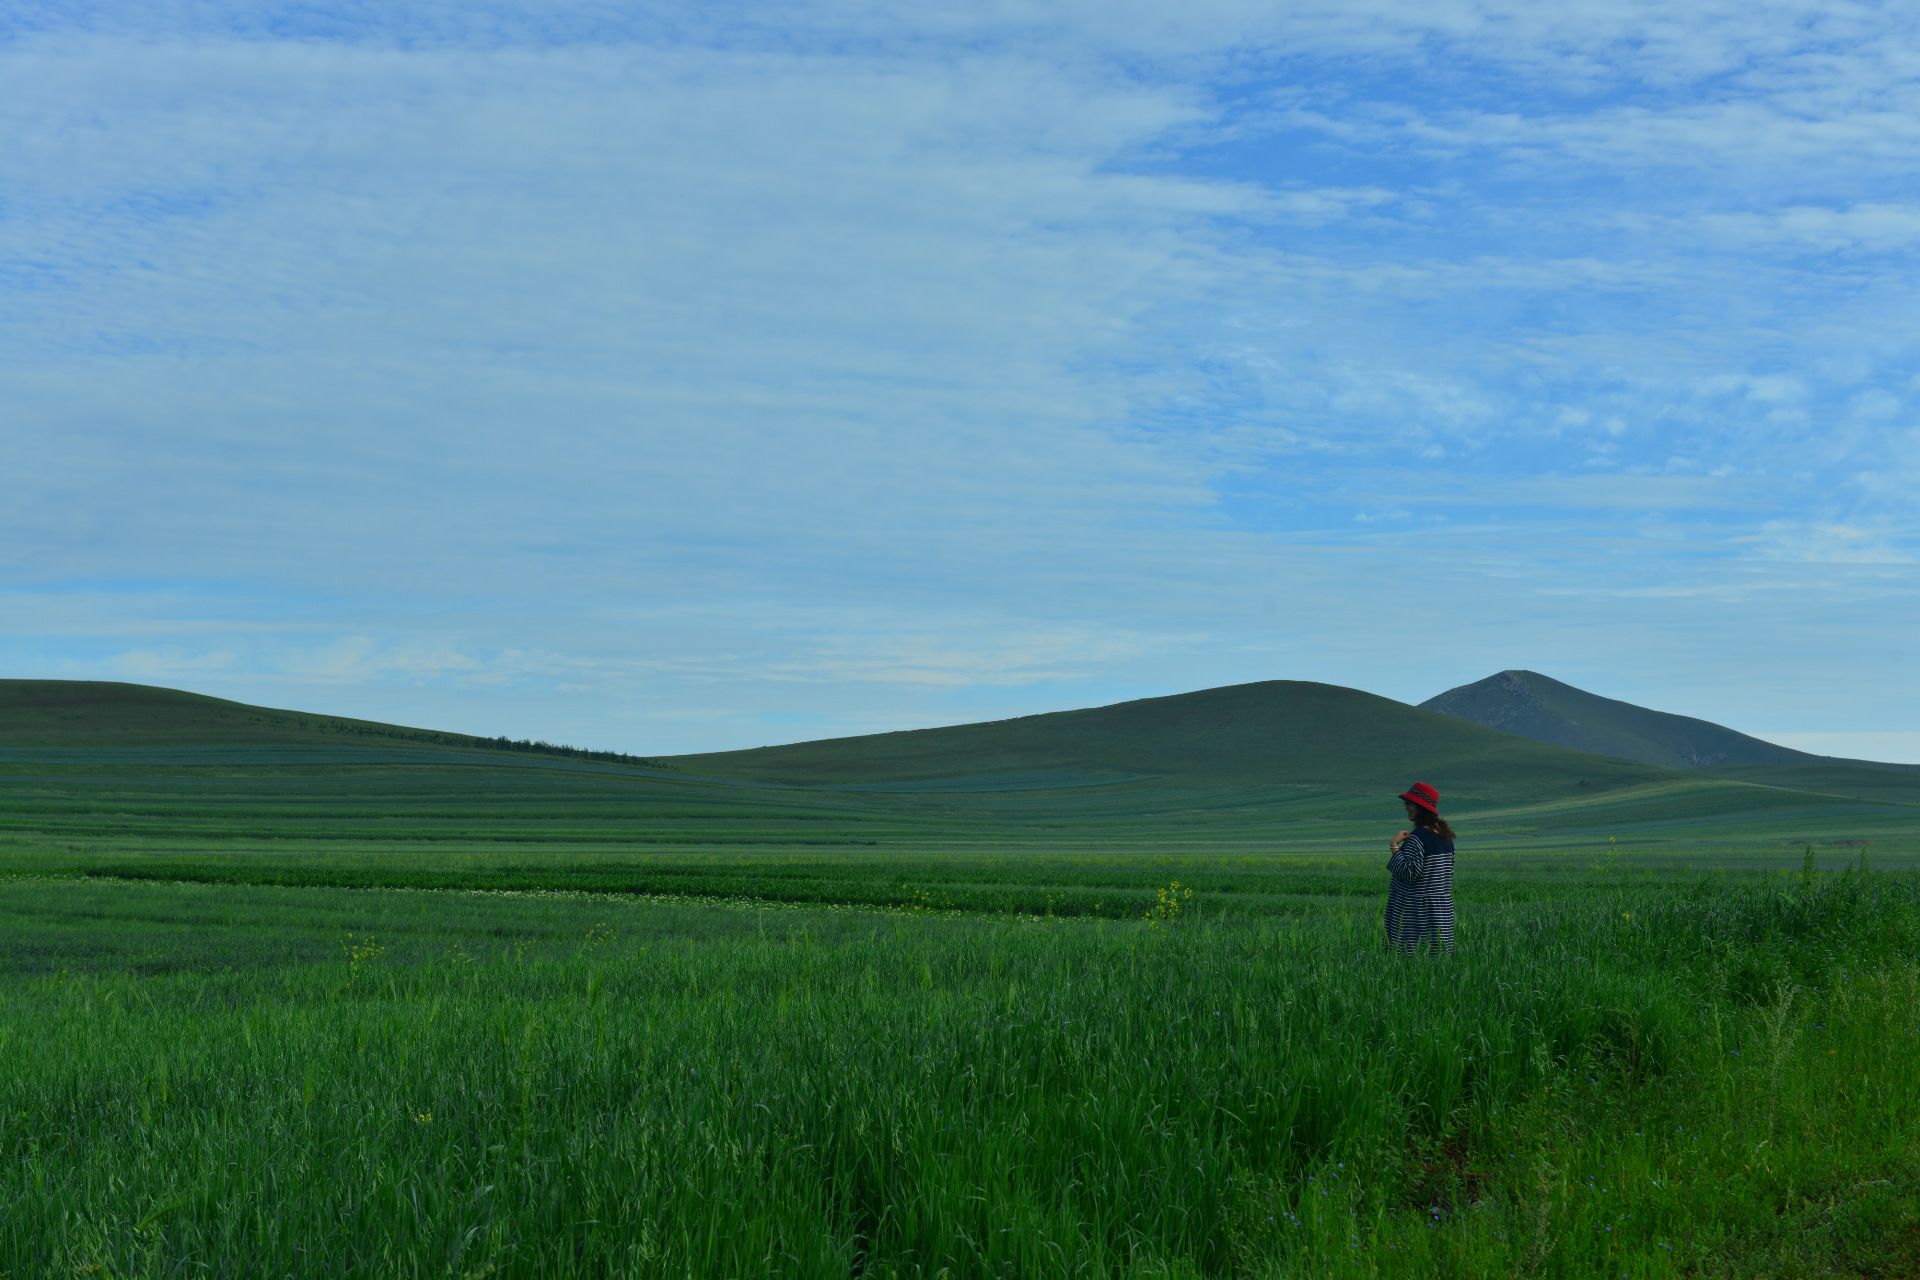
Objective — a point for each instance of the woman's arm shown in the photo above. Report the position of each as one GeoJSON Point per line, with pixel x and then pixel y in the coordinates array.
{"type": "Point", "coordinates": [1409, 858]}
{"type": "Point", "coordinates": [1393, 845]}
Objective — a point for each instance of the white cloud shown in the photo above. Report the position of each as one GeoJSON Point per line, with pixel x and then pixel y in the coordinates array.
{"type": "Point", "coordinates": [1875, 405]}
{"type": "Point", "coordinates": [1832, 544]}
{"type": "Point", "coordinates": [1868, 227]}
{"type": "Point", "coordinates": [169, 666]}
{"type": "Point", "coordinates": [1320, 204]}
{"type": "Point", "coordinates": [1761, 389]}
{"type": "Point", "coordinates": [969, 655]}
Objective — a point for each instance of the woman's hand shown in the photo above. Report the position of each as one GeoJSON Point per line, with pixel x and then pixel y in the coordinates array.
{"type": "Point", "coordinates": [1393, 845]}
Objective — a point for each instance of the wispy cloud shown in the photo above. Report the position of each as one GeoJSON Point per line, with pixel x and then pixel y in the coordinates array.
{"type": "Point", "coordinates": [1812, 543]}
{"type": "Point", "coordinates": [1867, 227]}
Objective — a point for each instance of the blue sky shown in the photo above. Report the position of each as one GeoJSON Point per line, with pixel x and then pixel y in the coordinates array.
{"type": "Point", "coordinates": [679, 377]}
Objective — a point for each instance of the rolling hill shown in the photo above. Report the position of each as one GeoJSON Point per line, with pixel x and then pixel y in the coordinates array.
{"type": "Point", "coordinates": [70, 714]}
{"type": "Point", "coordinates": [1533, 706]}
{"type": "Point", "coordinates": [1272, 733]}
{"type": "Point", "coordinates": [1276, 732]}
{"type": "Point", "coordinates": [1547, 711]}
{"type": "Point", "coordinates": [63, 713]}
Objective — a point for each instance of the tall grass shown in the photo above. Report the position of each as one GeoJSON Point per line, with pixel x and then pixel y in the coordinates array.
{"type": "Point", "coordinates": [1618, 1080]}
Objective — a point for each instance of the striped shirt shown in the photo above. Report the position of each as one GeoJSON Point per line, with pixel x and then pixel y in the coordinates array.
{"type": "Point", "coordinates": [1420, 894]}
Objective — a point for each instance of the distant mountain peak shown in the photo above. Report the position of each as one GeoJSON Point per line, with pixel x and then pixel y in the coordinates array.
{"type": "Point", "coordinates": [1547, 710]}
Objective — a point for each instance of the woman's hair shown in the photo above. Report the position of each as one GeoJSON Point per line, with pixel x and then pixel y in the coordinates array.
{"type": "Point", "coordinates": [1432, 822]}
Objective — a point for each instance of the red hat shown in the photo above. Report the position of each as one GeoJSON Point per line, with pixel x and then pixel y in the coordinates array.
{"type": "Point", "coordinates": [1424, 796]}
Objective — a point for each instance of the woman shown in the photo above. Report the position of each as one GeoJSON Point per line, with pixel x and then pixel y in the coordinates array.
{"type": "Point", "coordinates": [1420, 895]}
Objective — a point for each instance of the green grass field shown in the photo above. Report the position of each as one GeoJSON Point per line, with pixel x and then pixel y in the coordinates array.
{"type": "Point", "coordinates": [279, 997]}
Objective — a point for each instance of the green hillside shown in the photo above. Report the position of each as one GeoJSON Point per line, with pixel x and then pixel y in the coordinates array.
{"type": "Point", "coordinates": [1276, 732]}
{"type": "Point", "coordinates": [1856, 779]}
{"type": "Point", "coordinates": [63, 713]}
{"type": "Point", "coordinates": [105, 714]}
{"type": "Point", "coordinates": [1533, 706]}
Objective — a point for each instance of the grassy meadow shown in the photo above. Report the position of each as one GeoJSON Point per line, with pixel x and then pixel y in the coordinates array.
{"type": "Point", "coordinates": [287, 998]}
